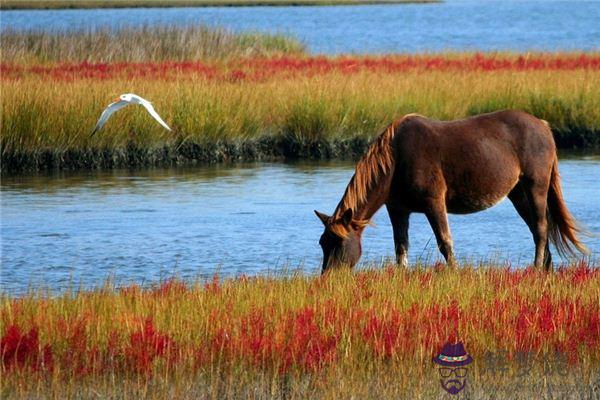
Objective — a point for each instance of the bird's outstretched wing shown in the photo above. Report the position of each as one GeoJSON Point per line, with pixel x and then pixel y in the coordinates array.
{"type": "Point", "coordinates": [108, 111]}
{"type": "Point", "coordinates": [153, 112]}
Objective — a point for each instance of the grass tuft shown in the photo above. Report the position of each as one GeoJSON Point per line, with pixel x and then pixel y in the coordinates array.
{"type": "Point", "coordinates": [157, 43]}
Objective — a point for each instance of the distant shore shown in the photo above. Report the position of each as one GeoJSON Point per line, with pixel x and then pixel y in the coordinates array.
{"type": "Point", "coordinates": [88, 4]}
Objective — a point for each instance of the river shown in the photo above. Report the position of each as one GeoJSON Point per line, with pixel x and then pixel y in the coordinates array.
{"type": "Point", "coordinates": [140, 226]}
{"type": "Point", "coordinates": [459, 25]}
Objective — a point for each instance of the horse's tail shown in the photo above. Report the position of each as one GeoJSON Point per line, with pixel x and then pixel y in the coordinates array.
{"type": "Point", "coordinates": [563, 229]}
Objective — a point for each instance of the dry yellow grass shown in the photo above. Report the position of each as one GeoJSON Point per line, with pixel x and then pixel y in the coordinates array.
{"type": "Point", "coordinates": [36, 115]}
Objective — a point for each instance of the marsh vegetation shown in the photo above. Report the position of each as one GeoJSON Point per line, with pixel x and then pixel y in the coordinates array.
{"type": "Point", "coordinates": [370, 334]}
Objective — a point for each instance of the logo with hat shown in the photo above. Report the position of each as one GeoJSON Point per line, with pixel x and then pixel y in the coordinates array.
{"type": "Point", "coordinates": [452, 362]}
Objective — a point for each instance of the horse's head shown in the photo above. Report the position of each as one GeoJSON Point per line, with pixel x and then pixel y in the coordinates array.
{"type": "Point", "coordinates": [341, 240]}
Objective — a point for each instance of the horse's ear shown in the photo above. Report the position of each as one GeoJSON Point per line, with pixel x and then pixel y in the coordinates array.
{"type": "Point", "coordinates": [324, 218]}
{"type": "Point", "coordinates": [347, 217]}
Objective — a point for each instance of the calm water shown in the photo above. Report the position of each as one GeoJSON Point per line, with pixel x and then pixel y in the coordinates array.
{"type": "Point", "coordinates": [454, 24]}
{"type": "Point", "coordinates": [144, 225]}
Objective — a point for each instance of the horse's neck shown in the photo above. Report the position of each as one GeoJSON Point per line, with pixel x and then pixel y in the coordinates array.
{"type": "Point", "coordinates": [369, 187]}
{"type": "Point", "coordinates": [374, 198]}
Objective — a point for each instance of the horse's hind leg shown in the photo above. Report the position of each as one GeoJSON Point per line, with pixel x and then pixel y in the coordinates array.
{"type": "Point", "coordinates": [535, 217]}
{"type": "Point", "coordinates": [399, 219]}
{"type": "Point", "coordinates": [438, 219]}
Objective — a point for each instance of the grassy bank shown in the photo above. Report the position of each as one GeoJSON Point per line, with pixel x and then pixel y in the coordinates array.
{"type": "Point", "coordinates": [156, 43]}
{"type": "Point", "coordinates": [259, 108]}
{"type": "Point", "coordinates": [72, 4]}
{"type": "Point", "coordinates": [234, 96]}
{"type": "Point", "coordinates": [370, 334]}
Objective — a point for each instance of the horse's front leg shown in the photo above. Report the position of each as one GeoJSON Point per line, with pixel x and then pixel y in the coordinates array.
{"type": "Point", "coordinates": [399, 219]}
{"type": "Point", "coordinates": [438, 219]}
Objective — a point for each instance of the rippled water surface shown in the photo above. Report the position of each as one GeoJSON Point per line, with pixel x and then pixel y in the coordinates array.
{"type": "Point", "coordinates": [143, 225]}
{"type": "Point", "coordinates": [453, 24]}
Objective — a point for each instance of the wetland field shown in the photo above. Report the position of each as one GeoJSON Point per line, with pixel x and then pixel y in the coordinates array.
{"type": "Point", "coordinates": [248, 97]}
{"type": "Point", "coordinates": [344, 335]}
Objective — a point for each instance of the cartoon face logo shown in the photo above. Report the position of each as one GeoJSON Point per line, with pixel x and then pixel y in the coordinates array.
{"type": "Point", "coordinates": [453, 380]}
{"type": "Point", "coordinates": [452, 362]}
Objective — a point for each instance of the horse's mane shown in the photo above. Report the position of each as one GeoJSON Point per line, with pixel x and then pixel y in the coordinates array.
{"type": "Point", "coordinates": [375, 164]}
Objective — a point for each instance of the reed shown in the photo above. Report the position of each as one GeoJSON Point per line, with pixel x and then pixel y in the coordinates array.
{"type": "Point", "coordinates": [156, 43]}
{"type": "Point", "coordinates": [70, 4]}
{"type": "Point", "coordinates": [369, 334]}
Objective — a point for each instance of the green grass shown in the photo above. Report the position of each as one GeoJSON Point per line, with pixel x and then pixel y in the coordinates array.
{"type": "Point", "coordinates": [48, 126]}
{"type": "Point", "coordinates": [62, 4]}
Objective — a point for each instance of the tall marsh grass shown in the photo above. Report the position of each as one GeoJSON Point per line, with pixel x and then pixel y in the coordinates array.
{"type": "Point", "coordinates": [301, 116]}
{"type": "Point", "coordinates": [155, 43]}
{"type": "Point", "coordinates": [370, 334]}
{"type": "Point", "coordinates": [248, 108]}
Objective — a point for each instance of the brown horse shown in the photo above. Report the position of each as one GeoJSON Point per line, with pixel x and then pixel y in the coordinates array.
{"type": "Point", "coordinates": [433, 167]}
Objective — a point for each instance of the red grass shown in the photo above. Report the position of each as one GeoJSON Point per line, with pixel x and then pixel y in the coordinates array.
{"type": "Point", "coordinates": [147, 344]}
{"type": "Point", "coordinates": [23, 351]}
{"type": "Point", "coordinates": [261, 69]}
{"type": "Point", "coordinates": [313, 336]}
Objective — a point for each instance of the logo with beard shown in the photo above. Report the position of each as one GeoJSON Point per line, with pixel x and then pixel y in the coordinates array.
{"type": "Point", "coordinates": [452, 362]}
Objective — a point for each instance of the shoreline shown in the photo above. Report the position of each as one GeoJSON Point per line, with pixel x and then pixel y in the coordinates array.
{"type": "Point", "coordinates": [112, 4]}
{"type": "Point", "coordinates": [188, 153]}
{"type": "Point", "coordinates": [482, 266]}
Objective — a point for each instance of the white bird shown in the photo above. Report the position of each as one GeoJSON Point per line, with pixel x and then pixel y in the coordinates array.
{"type": "Point", "coordinates": [125, 100]}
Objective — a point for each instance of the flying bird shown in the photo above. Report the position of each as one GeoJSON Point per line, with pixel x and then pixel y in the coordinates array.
{"type": "Point", "coordinates": [125, 100]}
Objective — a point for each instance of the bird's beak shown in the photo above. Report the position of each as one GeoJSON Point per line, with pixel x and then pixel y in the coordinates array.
{"type": "Point", "coordinates": [117, 100]}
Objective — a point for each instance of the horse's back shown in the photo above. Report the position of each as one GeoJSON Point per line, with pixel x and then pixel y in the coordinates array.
{"type": "Point", "coordinates": [475, 161]}
{"type": "Point", "coordinates": [515, 127]}
{"type": "Point", "coordinates": [502, 133]}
